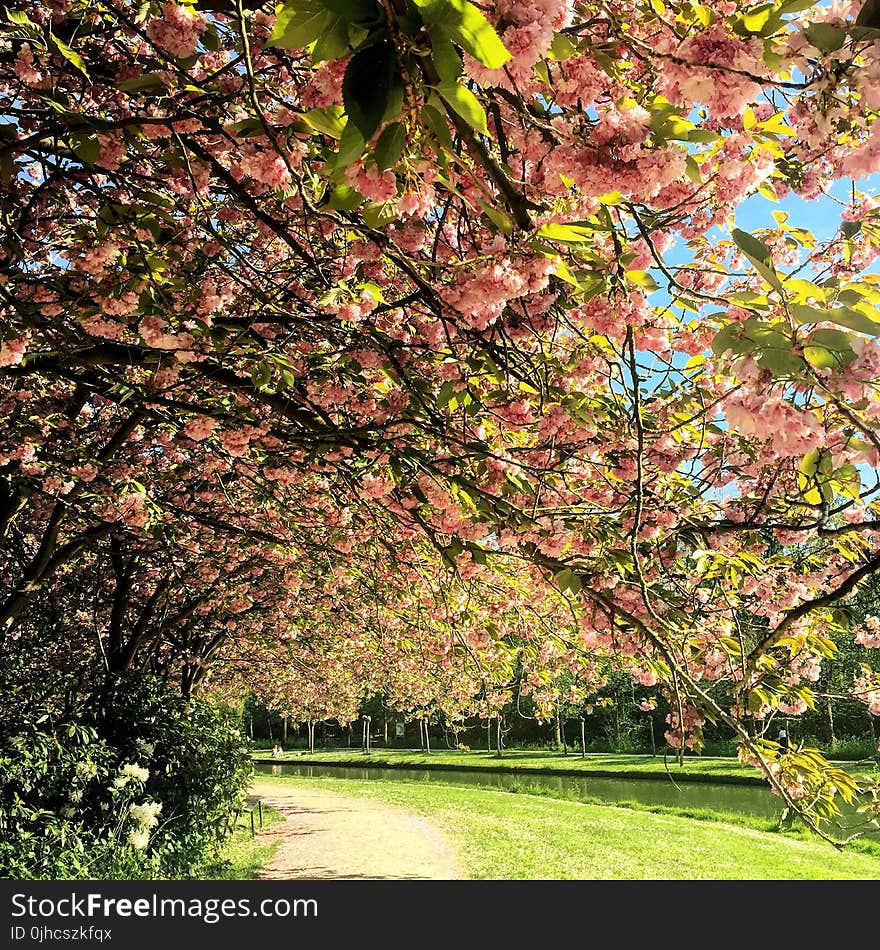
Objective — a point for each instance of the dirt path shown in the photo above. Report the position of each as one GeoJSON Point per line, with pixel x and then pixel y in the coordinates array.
{"type": "Point", "coordinates": [326, 835]}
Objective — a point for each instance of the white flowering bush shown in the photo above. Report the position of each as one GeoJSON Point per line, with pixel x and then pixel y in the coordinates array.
{"type": "Point", "coordinates": [143, 784]}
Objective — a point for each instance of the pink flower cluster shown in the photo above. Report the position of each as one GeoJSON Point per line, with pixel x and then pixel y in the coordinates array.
{"type": "Point", "coordinates": [866, 689]}
{"type": "Point", "coordinates": [266, 166]}
{"type": "Point", "coordinates": [693, 723]}
{"type": "Point", "coordinates": [790, 431]}
{"type": "Point", "coordinates": [24, 67]}
{"type": "Point", "coordinates": [178, 29]}
{"type": "Point", "coordinates": [868, 635]}
{"type": "Point", "coordinates": [376, 486]}
{"type": "Point", "coordinates": [112, 150]}
{"type": "Point", "coordinates": [725, 93]}
{"type": "Point", "coordinates": [98, 325]}
{"type": "Point", "coordinates": [199, 428]}
{"type": "Point", "coordinates": [152, 331]}
{"type": "Point", "coordinates": [12, 351]}
{"type": "Point", "coordinates": [482, 295]}
{"type": "Point", "coordinates": [370, 182]}
{"type": "Point", "coordinates": [96, 259]}
{"type": "Point", "coordinates": [526, 29]}
{"type": "Point", "coordinates": [324, 87]}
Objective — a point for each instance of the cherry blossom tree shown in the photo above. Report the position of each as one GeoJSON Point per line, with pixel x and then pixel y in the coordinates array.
{"type": "Point", "coordinates": [327, 278]}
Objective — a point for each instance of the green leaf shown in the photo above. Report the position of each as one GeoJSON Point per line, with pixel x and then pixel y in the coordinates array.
{"type": "Point", "coordinates": [692, 170]}
{"type": "Point", "coordinates": [826, 38]}
{"type": "Point", "coordinates": [436, 122]}
{"type": "Point", "coordinates": [756, 19]}
{"type": "Point", "coordinates": [814, 477]}
{"type": "Point", "coordinates": [848, 482]}
{"type": "Point", "coordinates": [357, 11]}
{"type": "Point", "coordinates": [139, 83]}
{"type": "Point", "coordinates": [759, 256]}
{"type": "Point", "coordinates": [333, 43]}
{"type": "Point", "coordinates": [465, 24]}
{"type": "Point", "coordinates": [466, 104]}
{"type": "Point", "coordinates": [300, 22]}
{"type": "Point", "coordinates": [774, 352]}
{"type": "Point", "coordinates": [643, 279]}
{"type": "Point", "coordinates": [842, 316]}
{"type": "Point", "coordinates": [345, 198]}
{"type": "Point", "coordinates": [567, 233]}
{"type": "Point", "coordinates": [377, 214]}
{"type": "Point", "coordinates": [389, 148]}
{"type": "Point", "coordinates": [69, 54]}
{"type": "Point", "coordinates": [568, 580]}
{"type": "Point", "coordinates": [829, 349]}
{"type": "Point", "coordinates": [369, 79]}
{"type": "Point", "coordinates": [498, 218]}
{"type": "Point", "coordinates": [85, 147]}
{"type": "Point", "coordinates": [351, 146]}
{"type": "Point", "coordinates": [446, 57]}
{"type": "Point", "coordinates": [562, 48]}
{"type": "Point", "coordinates": [330, 120]}
{"type": "Point", "coordinates": [261, 374]}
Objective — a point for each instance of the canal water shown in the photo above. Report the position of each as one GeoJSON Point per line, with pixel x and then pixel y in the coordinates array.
{"type": "Point", "coordinates": [742, 799]}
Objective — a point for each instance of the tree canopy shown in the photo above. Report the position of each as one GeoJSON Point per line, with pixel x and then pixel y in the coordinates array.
{"type": "Point", "coordinates": [371, 330]}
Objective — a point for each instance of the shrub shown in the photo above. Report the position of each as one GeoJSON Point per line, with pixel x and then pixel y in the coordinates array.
{"type": "Point", "coordinates": [142, 784]}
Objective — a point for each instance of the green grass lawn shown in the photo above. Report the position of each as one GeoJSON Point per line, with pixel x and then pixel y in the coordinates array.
{"type": "Point", "coordinates": [499, 835]}
{"type": "Point", "coordinates": [598, 763]}
{"type": "Point", "coordinates": [242, 855]}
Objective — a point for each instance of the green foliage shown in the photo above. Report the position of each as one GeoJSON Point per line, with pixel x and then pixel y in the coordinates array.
{"type": "Point", "coordinates": [300, 22]}
{"type": "Point", "coordinates": [70, 782]}
{"type": "Point", "coordinates": [468, 27]}
{"type": "Point", "coordinates": [370, 79]}
{"type": "Point", "coordinates": [759, 256]}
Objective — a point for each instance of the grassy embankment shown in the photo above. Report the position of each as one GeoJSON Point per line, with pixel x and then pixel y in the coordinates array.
{"type": "Point", "coordinates": [243, 855]}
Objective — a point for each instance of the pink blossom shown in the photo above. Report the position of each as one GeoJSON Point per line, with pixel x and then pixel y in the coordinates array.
{"type": "Point", "coordinates": [177, 30]}
{"type": "Point", "coordinates": [199, 428]}
{"type": "Point", "coordinates": [24, 67]}
{"type": "Point", "coordinates": [12, 351]}
{"type": "Point", "coordinates": [324, 87]}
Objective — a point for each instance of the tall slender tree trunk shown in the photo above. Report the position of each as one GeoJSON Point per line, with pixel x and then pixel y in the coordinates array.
{"type": "Point", "coordinates": [583, 739]}
{"type": "Point", "coordinates": [498, 736]}
{"type": "Point", "coordinates": [284, 732]}
{"type": "Point", "coordinates": [427, 737]}
{"type": "Point", "coordinates": [831, 736]}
